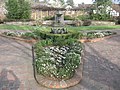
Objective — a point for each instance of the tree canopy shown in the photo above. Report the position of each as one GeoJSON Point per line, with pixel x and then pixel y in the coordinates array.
{"type": "Point", "coordinates": [18, 9]}
{"type": "Point", "coordinates": [70, 2]}
{"type": "Point", "coordinates": [100, 9]}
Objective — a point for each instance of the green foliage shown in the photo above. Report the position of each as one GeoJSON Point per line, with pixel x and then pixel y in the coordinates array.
{"type": "Point", "coordinates": [83, 17]}
{"type": "Point", "coordinates": [62, 2]}
{"type": "Point", "coordinates": [102, 17]}
{"type": "Point", "coordinates": [49, 18]}
{"type": "Point", "coordinates": [95, 34]}
{"type": "Point", "coordinates": [29, 35]}
{"type": "Point", "coordinates": [70, 2]}
{"type": "Point", "coordinates": [48, 35]}
{"type": "Point", "coordinates": [9, 34]}
{"type": "Point", "coordinates": [18, 9]}
{"type": "Point", "coordinates": [67, 17]}
{"type": "Point", "coordinates": [58, 62]}
{"type": "Point", "coordinates": [87, 23]}
{"type": "Point", "coordinates": [100, 8]}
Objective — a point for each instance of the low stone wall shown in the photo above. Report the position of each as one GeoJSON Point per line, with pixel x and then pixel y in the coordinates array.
{"type": "Point", "coordinates": [66, 22]}
{"type": "Point", "coordinates": [21, 23]}
{"type": "Point", "coordinates": [47, 22]}
{"type": "Point", "coordinates": [97, 23]}
{"type": "Point", "coordinates": [80, 23]}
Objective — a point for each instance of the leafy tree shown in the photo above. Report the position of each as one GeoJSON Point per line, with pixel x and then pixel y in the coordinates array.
{"type": "Point", "coordinates": [70, 2]}
{"type": "Point", "coordinates": [62, 2]}
{"type": "Point", "coordinates": [18, 9]}
{"type": "Point", "coordinates": [59, 2]}
{"type": "Point", "coordinates": [100, 9]}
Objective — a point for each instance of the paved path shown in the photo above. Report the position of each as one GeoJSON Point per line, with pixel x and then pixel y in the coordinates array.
{"type": "Point", "coordinates": [101, 66]}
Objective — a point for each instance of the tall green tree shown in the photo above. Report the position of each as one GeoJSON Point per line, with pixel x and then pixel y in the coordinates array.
{"type": "Point", "coordinates": [100, 8]}
{"type": "Point", "coordinates": [59, 2]}
{"type": "Point", "coordinates": [70, 2]}
{"type": "Point", "coordinates": [62, 2]}
{"type": "Point", "coordinates": [18, 9]}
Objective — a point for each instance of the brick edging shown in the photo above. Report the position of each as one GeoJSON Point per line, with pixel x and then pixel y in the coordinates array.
{"type": "Point", "coordinates": [20, 39]}
{"type": "Point", "coordinates": [49, 83]}
{"type": "Point", "coordinates": [95, 39]}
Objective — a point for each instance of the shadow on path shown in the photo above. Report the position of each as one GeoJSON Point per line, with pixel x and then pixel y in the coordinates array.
{"type": "Point", "coordinates": [8, 80]}
{"type": "Point", "coordinates": [100, 70]}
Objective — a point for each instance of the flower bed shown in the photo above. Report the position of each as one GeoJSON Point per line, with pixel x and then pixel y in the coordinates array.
{"type": "Point", "coordinates": [58, 61]}
{"type": "Point", "coordinates": [94, 36]}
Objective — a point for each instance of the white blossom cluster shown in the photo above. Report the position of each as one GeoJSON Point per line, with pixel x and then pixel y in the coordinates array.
{"type": "Point", "coordinates": [13, 33]}
{"type": "Point", "coordinates": [59, 61]}
{"type": "Point", "coordinates": [98, 34]}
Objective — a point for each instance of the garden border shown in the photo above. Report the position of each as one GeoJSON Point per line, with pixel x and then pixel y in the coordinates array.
{"type": "Point", "coordinates": [95, 39]}
{"type": "Point", "coordinates": [50, 83]}
{"type": "Point", "coordinates": [20, 39]}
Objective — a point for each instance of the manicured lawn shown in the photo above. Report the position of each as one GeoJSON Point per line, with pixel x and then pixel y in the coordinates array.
{"type": "Point", "coordinates": [16, 27]}
{"type": "Point", "coordinates": [94, 27]}
{"type": "Point", "coordinates": [23, 27]}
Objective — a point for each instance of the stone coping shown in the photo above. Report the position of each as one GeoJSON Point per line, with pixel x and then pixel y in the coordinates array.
{"type": "Point", "coordinates": [95, 39]}
{"type": "Point", "coordinates": [50, 83]}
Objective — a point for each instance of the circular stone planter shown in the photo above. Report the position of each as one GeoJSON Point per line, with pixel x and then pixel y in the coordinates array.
{"type": "Point", "coordinates": [49, 83]}
{"type": "Point", "coordinates": [56, 83]}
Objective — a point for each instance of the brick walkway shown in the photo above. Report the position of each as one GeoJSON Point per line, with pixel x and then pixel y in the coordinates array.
{"type": "Point", "coordinates": [101, 66]}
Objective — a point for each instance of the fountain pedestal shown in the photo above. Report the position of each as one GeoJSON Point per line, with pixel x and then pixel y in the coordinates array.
{"type": "Point", "coordinates": [58, 24]}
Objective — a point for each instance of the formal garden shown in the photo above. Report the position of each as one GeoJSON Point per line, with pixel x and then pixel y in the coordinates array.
{"type": "Point", "coordinates": [57, 41]}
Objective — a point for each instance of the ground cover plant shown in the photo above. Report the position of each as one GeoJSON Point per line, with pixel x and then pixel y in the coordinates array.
{"type": "Point", "coordinates": [46, 34]}
{"type": "Point", "coordinates": [97, 34]}
{"type": "Point", "coordinates": [58, 59]}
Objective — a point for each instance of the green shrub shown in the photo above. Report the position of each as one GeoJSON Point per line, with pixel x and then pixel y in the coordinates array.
{"type": "Point", "coordinates": [9, 34]}
{"type": "Point", "coordinates": [18, 9]}
{"type": "Point", "coordinates": [87, 23]}
{"type": "Point", "coordinates": [67, 17]}
{"type": "Point", "coordinates": [49, 18]}
{"type": "Point", "coordinates": [83, 17]}
{"type": "Point", "coordinates": [48, 35]}
{"type": "Point", "coordinates": [103, 17]}
{"type": "Point", "coordinates": [57, 61]}
{"type": "Point", "coordinates": [29, 35]}
{"type": "Point", "coordinates": [118, 20]}
{"type": "Point", "coordinates": [94, 34]}
{"type": "Point", "coordinates": [1, 21]}
{"type": "Point", "coordinates": [17, 20]}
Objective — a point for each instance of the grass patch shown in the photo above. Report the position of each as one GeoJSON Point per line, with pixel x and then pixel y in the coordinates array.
{"type": "Point", "coordinates": [26, 27]}
{"type": "Point", "coordinates": [23, 27]}
{"type": "Point", "coordinates": [93, 27]}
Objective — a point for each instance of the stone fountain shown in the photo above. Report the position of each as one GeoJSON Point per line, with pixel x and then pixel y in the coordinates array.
{"type": "Point", "coordinates": [58, 25]}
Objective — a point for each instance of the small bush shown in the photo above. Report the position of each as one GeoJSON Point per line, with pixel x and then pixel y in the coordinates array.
{"type": "Point", "coordinates": [118, 20]}
{"type": "Point", "coordinates": [29, 35]}
{"type": "Point", "coordinates": [49, 18]}
{"type": "Point", "coordinates": [1, 21]}
{"type": "Point", "coordinates": [87, 23]}
{"type": "Point", "coordinates": [17, 20]}
{"type": "Point", "coordinates": [94, 34]}
{"type": "Point", "coordinates": [48, 35]}
{"type": "Point", "coordinates": [83, 17]}
{"type": "Point", "coordinates": [67, 17]}
{"type": "Point", "coordinates": [78, 23]}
